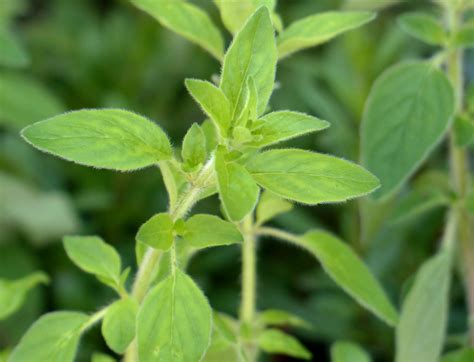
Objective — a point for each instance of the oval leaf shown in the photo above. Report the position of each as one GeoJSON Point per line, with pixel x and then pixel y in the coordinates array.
{"type": "Point", "coordinates": [119, 324]}
{"type": "Point", "coordinates": [423, 27]}
{"type": "Point", "coordinates": [174, 322]}
{"type": "Point", "coordinates": [407, 113]}
{"type": "Point", "coordinates": [276, 342]}
{"type": "Point", "coordinates": [157, 232]}
{"type": "Point", "coordinates": [309, 177]}
{"type": "Point", "coordinates": [106, 138]}
{"type": "Point", "coordinates": [348, 352]}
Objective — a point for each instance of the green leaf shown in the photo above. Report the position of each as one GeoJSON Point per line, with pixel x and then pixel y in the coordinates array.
{"type": "Point", "coordinates": [202, 231]}
{"type": "Point", "coordinates": [235, 13]}
{"type": "Point", "coordinates": [103, 138]}
{"type": "Point", "coordinates": [416, 103]}
{"type": "Point", "coordinates": [309, 177]}
{"type": "Point", "coordinates": [252, 54]}
{"type": "Point", "coordinates": [13, 54]}
{"type": "Point", "coordinates": [461, 355]}
{"type": "Point", "coordinates": [463, 131]}
{"type": "Point", "coordinates": [93, 255]}
{"type": "Point", "coordinates": [157, 232]}
{"type": "Point", "coordinates": [464, 38]}
{"type": "Point", "coordinates": [13, 292]}
{"type": "Point", "coordinates": [470, 201]}
{"type": "Point", "coordinates": [238, 191]}
{"type": "Point", "coordinates": [270, 206]}
{"type": "Point", "coordinates": [349, 272]}
{"type": "Point", "coordinates": [276, 317]}
{"type": "Point", "coordinates": [53, 338]}
{"type": "Point", "coordinates": [187, 20]}
{"type": "Point", "coordinates": [275, 341]}
{"type": "Point", "coordinates": [16, 109]}
{"type": "Point", "coordinates": [194, 150]}
{"type": "Point", "coordinates": [119, 324]}
{"type": "Point", "coordinates": [101, 357]}
{"type": "Point", "coordinates": [423, 27]}
{"type": "Point", "coordinates": [317, 29]}
{"type": "Point", "coordinates": [342, 351]}
{"type": "Point", "coordinates": [213, 101]}
{"type": "Point", "coordinates": [283, 125]}
{"type": "Point", "coordinates": [174, 321]}
{"type": "Point", "coordinates": [422, 327]}
{"type": "Point", "coordinates": [224, 342]}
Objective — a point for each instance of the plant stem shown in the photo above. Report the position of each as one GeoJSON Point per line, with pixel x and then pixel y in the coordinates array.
{"type": "Point", "coordinates": [94, 318]}
{"type": "Point", "coordinates": [279, 234]}
{"type": "Point", "coordinates": [460, 173]}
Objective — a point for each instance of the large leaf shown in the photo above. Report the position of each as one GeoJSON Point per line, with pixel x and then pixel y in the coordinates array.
{"type": "Point", "coordinates": [252, 54]}
{"type": "Point", "coordinates": [283, 125]}
{"type": "Point", "coordinates": [102, 138]}
{"type": "Point", "coordinates": [13, 292]}
{"type": "Point", "coordinates": [309, 177]}
{"type": "Point", "coordinates": [277, 342]}
{"type": "Point", "coordinates": [174, 322]}
{"type": "Point", "coordinates": [342, 351]}
{"type": "Point", "coordinates": [422, 327]}
{"type": "Point", "coordinates": [53, 338]}
{"type": "Point", "coordinates": [119, 324]}
{"type": "Point", "coordinates": [187, 20]}
{"type": "Point", "coordinates": [317, 29]}
{"type": "Point", "coordinates": [407, 113]}
{"type": "Point", "coordinates": [349, 272]}
{"type": "Point", "coordinates": [424, 27]}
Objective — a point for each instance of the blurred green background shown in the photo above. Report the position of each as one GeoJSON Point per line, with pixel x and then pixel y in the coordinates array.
{"type": "Point", "coordinates": [106, 53]}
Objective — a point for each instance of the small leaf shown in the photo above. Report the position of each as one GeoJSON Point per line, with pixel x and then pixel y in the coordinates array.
{"type": "Point", "coordinates": [309, 177]}
{"type": "Point", "coordinates": [213, 101]}
{"type": "Point", "coordinates": [238, 191]}
{"type": "Point", "coordinates": [194, 146]}
{"type": "Point", "coordinates": [101, 357]}
{"type": "Point", "coordinates": [275, 341]}
{"type": "Point", "coordinates": [103, 138]}
{"type": "Point", "coordinates": [463, 131]}
{"type": "Point", "coordinates": [13, 54]}
{"type": "Point", "coordinates": [423, 27]}
{"type": "Point", "coordinates": [252, 54]}
{"type": "Point", "coordinates": [157, 232]}
{"type": "Point", "coordinates": [270, 206]}
{"type": "Point", "coordinates": [317, 29]}
{"type": "Point", "coordinates": [342, 351]}
{"type": "Point", "coordinates": [53, 338]}
{"type": "Point", "coordinates": [93, 255]}
{"type": "Point", "coordinates": [416, 103]}
{"type": "Point", "coordinates": [464, 38]}
{"type": "Point", "coordinates": [275, 317]}
{"type": "Point", "coordinates": [424, 312]}
{"type": "Point", "coordinates": [461, 355]}
{"type": "Point", "coordinates": [224, 342]}
{"type": "Point", "coordinates": [118, 326]}
{"type": "Point", "coordinates": [13, 292]}
{"type": "Point", "coordinates": [202, 231]}
{"type": "Point", "coordinates": [349, 272]}
{"type": "Point", "coordinates": [187, 20]}
{"type": "Point", "coordinates": [174, 322]}
{"type": "Point", "coordinates": [283, 125]}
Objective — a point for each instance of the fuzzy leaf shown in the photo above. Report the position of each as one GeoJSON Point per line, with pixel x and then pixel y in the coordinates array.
{"type": "Point", "coordinates": [194, 146]}
{"type": "Point", "coordinates": [342, 351]}
{"type": "Point", "coordinates": [53, 338]}
{"type": "Point", "coordinates": [157, 232]}
{"type": "Point", "coordinates": [423, 27]}
{"type": "Point", "coordinates": [202, 231]}
{"type": "Point", "coordinates": [187, 20]}
{"type": "Point", "coordinates": [103, 138]}
{"type": "Point", "coordinates": [119, 324]}
{"type": "Point", "coordinates": [275, 341]}
{"type": "Point", "coordinates": [252, 54]}
{"type": "Point", "coordinates": [408, 112]}
{"type": "Point", "coordinates": [317, 29]}
{"type": "Point", "coordinates": [283, 125]}
{"type": "Point", "coordinates": [349, 272]}
{"type": "Point", "coordinates": [309, 177]}
{"type": "Point", "coordinates": [270, 206]}
{"type": "Point", "coordinates": [174, 321]}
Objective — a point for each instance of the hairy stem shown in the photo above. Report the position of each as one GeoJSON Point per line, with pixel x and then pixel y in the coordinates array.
{"type": "Point", "coordinates": [94, 318]}
{"type": "Point", "coordinates": [460, 173]}
{"type": "Point", "coordinates": [279, 234]}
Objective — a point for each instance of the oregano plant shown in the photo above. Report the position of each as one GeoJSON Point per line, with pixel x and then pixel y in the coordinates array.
{"type": "Point", "coordinates": [162, 314]}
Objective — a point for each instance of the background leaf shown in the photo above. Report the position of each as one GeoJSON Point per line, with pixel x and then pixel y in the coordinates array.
{"type": "Point", "coordinates": [342, 351]}
{"type": "Point", "coordinates": [423, 27]}
{"type": "Point", "coordinates": [277, 342]}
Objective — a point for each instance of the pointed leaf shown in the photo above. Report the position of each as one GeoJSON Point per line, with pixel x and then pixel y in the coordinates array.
{"type": "Point", "coordinates": [194, 146]}
{"type": "Point", "coordinates": [317, 29]}
{"type": "Point", "coordinates": [157, 232]}
{"type": "Point", "coordinates": [275, 317]}
{"type": "Point", "coordinates": [309, 177]}
{"type": "Point", "coordinates": [202, 231]}
{"type": "Point", "coordinates": [423, 27]}
{"type": "Point", "coordinates": [407, 114]}
{"type": "Point", "coordinates": [348, 352]}
{"type": "Point", "coordinates": [188, 21]}
{"type": "Point", "coordinates": [53, 338]}
{"type": "Point", "coordinates": [103, 138]}
{"type": "Point", "coordinates": [252, 54]}
{"type": "Point", "coordinates": [422, 327]}
{"type": "Point", "coordinates": [275, 341]}
{"type": "Point", "coordinates": [119, 324]}
{"type": "Point", "coordinates": [174, 322]}
{"type": "Point", "coordinates": [283, 125]}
